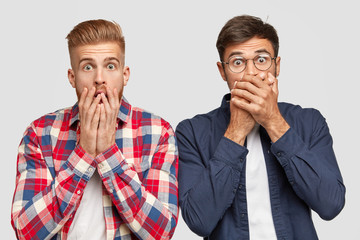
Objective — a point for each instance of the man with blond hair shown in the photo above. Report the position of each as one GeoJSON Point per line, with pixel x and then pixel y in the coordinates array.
{"type": "Point", "coordinates": [100, 169]}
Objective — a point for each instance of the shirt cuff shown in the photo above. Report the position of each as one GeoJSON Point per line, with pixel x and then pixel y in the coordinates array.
{"type": "Point", "coordinates": [287, 146]}
{"type": "Point", "coordinates": [231, 153]}
{"type": "Point", "coordinates": [111, 161]}
{"type": "Point", "coordinates": [82, 164]}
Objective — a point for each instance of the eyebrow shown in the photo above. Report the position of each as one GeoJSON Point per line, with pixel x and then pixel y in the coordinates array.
{"type": "Point", "coordinates": [263, 51]}
{"type": "Point", "coordinates": [257, 51]}
{"type": "Point", "coordinates": [112, 59]}
{"type": "Point", "coordinates": [106, 60]}
{"type": "Point", "coordinates": [85, 59]}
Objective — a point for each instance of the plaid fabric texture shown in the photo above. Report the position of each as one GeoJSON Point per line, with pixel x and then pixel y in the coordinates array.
{"type": "Point", "coordinates": [139, 174]}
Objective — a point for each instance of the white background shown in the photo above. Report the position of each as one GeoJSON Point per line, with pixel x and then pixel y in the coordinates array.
{"type": "Point", "coordinates": [170, 48]}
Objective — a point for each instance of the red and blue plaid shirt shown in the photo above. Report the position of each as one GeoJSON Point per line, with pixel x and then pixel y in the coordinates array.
{"type": "Point", "coordinates": [139, 174]}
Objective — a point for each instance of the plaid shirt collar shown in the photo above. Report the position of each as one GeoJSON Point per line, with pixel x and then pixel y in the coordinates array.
{"type": "Point", "coordinates": [123, 115]}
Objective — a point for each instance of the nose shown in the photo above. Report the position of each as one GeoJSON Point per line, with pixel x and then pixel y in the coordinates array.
{"type": "Point", "coordinates": [99, 78]}
{"type": "Point", "coordinates": [250, 68]}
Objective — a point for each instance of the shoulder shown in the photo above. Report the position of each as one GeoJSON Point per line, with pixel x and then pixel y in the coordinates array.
{"type": "Point", "coordinates": [141, 118]}
{"type": "Point", "coordinates": [50, 120]}
{"type": "Point", "coordinates": [298, 116]}
{"type": "Point", "coordinates": [201, 122]}
{"type": "Point", "coordinates": [288, 109]}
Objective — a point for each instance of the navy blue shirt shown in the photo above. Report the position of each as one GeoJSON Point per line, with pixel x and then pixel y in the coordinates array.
{"type": "Point", "coordinates": [302, 173]}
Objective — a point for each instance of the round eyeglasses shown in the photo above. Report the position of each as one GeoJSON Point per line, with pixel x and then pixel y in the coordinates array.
{"type": "Point", "coordinates": [237, 64]}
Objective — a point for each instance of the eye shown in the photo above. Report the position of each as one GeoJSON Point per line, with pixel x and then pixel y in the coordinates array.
{"type": "Point", "coordinates": [262, 59]}
{"type": "Point", "coordinates": [111, 66]}
{"type": "Point", "coordinates": [237, 62]}
{"type": "Point", "coordinates": [88, 67]}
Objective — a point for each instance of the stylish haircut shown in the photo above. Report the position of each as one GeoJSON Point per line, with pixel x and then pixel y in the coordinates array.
{"type": "Point", "coordinates": [96, 31]}
{"type": "Point", "coordinates": [239, 29]}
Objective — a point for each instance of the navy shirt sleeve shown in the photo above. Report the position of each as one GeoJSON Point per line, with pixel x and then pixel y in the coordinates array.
{"type": "Point", "coordinates": [207, 182]}
{"type": "Point", "coordinates": [306, 154]}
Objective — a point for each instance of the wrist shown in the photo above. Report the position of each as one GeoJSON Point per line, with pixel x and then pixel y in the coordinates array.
{"type": "Point", "coordinates": [87, 150]}
{"type": "Point", "coordinates": [235, 135]}
{"type": "Point", "coordinates": [104, 148]}
{"type": "Point", "coordinates": [277, 128]}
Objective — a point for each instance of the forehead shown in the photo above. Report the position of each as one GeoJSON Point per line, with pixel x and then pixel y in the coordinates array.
{"type": "Point", "coordinates": [100, 49]}
{"type": "Point", "coordinates": [249, 48]}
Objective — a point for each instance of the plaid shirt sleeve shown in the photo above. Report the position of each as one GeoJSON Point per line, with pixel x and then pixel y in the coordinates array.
{"type": "Point", "coordinates": [149, 206]}
{"type": "Point", "coordinates": [43, 202]}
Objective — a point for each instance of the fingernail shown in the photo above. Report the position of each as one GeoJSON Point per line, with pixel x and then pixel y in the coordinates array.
{"type": "Point", "coordinates": [262, 75]}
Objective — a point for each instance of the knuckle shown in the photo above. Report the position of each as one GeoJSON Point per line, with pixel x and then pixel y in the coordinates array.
{"type": "Point", "coordinates": [261, 101]}
{"type": "Point", "coordinates": [257, 109]}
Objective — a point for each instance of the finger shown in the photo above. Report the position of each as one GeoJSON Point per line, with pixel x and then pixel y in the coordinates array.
{"type": "Point", "coordinates": [275, 86]}
{"type": "Point", "coordinates": [249, 107]}
{"type": "Point", "coordinates": [89, 98]}
{"type": "Point", "coordinates": [109, 112]}
{"type": "Point", "coordinates": [110, 96]}
{"type": "Point", "coordinates": [81, 101]}
{"type": "Point", "coordinates": [102, 121]}
{"type": "Point", "coordinates": [269, 80]}
{"type": "Point", "coordinates": [234, 85]}
{"type": "Point", "coordinates": [237, 97]}
{"type": "Point", "coordinates": [83, 96]}
{"type": "Point", "coordinates": [240, 102]}
{"type": "Point", "coordinates": [89, 112]}
{"type": "Point", "coordinates": [96, 117]}
{"type": "Point", "coordinates": [256, 80]}
{"type": "Point", "coordinates": [116, 98]}
{"type": "Point", "coordinates": [105, 102]}
{"type": "Point", "coordinates": [114, 104]}
{"type": "Point", "coordinates": [248, 86]}
{"type": "Point", "coordinates": [244, 94]}
{"type": "Point", "coordinates": [93, 105]}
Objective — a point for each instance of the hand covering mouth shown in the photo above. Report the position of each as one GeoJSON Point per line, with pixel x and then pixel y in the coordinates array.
{"type": "Point", "coordinates": [99, 92]}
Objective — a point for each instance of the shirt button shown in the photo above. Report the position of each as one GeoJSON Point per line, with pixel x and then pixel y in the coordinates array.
{"type": "Point", "coordinates": [241, 159]}
{"type": "Point", "coordinates": [242, 215]}
{"type": "Point", "coordinates": [90, 170]}
{"type": "Point", "coordinates": [279, 154]}
{"type": "Point", "coordinates": [78, 192]}
{"type": "Point", "coordinates": [240, 186]}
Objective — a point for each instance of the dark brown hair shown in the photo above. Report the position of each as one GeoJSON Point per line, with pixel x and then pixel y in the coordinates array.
{"type": "Point", "coordinates": [96, 31]}
{"type": "Point", "coordinates": [242, 28]}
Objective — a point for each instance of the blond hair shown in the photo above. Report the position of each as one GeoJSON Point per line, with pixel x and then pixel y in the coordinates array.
{"type": "Point", "coordinates": [96, 31]}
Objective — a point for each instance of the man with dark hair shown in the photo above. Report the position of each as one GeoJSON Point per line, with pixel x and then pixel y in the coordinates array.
{"type": "Point", "coordinates": [101, 169]}
{"type": "Point", "coordinates": [255, 168]}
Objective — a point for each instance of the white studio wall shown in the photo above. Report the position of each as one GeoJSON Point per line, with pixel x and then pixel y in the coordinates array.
{"type": "Point", "coordinates": [170, 48]}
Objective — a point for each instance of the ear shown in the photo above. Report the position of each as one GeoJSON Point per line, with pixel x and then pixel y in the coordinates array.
{"type": "Point", "coordinates": [71, 77]}
{"type": "Point", "coordinates": [126, 74]}
{"type": "Point", "coordinates": [277, 60]}
{"type": "Point", "coordinates": [221, 70]}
